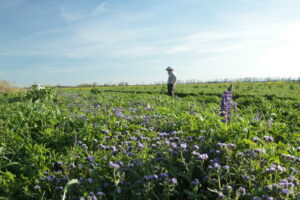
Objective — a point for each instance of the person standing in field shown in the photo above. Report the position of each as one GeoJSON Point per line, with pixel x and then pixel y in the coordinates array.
{"type": "Point", "coordinates": [171, 81]}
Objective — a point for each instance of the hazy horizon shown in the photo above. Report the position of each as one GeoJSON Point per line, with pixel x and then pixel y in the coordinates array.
{"type": "Point", "coordinates": [70, 42]}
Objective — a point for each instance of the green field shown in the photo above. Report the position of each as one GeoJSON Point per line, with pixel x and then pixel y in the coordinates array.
{"type": "Point", "coordinates": [135, 142]}
{"type": "Point", "coordinates": [277, 89]}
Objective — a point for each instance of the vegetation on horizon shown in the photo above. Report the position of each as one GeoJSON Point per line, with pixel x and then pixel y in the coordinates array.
{"type": "Point", "coordinates": [6, 86]}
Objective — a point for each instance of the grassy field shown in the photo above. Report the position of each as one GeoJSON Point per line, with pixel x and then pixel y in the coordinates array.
{"type": "Point", "coordinates": [275, 89]}
{"type": "Point", "coordinates": [135, 142]}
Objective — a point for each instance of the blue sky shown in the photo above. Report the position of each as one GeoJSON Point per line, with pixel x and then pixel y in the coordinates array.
{"type": "Point", "coordinates": [70, 42]}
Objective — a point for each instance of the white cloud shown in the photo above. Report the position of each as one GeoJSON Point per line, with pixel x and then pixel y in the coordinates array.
{"type": "Point", "coordinates": [283, 59]}
{"type": "Point", "coordinates": [71, 14]}
{"type": "Point", "coordinates": [138, 51]}
{"type": "Point", "coordinates": [76, 12]}
{"type": "Point", "coordinates": [221, 41]}
{"type": "Point", "coordinates": [99, 9]}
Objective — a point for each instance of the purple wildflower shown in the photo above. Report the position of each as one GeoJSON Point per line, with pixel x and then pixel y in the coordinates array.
{"type": "Point", "coordinates": [256, 139]}
{"type": "Point", "coordinates": [147, 178]}
{"type": "Point", "coordinates": [72, 165]}
{"type": "Point", "coordinates": [226, 167]}
{"type": "Point", "coordinates": [203, 157]}
{"type": "Point", "coordinates": [240, 154]}
{"type": "Point", "coordinates": [113, 165]}
{"type": "Point", "coordinates": [258, 150]}
{"type": "Point", "coordinates": [174, 180]}
{"type": "Point", "coordinates": [163, 175]}
{"type": "Point", "coordinates": [268, 138]}
{"type": "Point", "coordinates": [226, 104]}
{"type": "Point", "coordinates": [100, 193]}
{"type": "Point", "coordinates": [140, 145]}
{"type": "Point", "coordinates": [90, 159]}
{"type": "Point", "coordinates": [50, 178]}
{"type": "Point", "coordinates": [285, 191]}
{"type": "Point", "coordinates": [118, 191]}
{"type": "Point", "coordinates": [84, 146]}
{"type": "Point", "coordinates": [242, 190]}
{"type": "Point", "coordinates": [90, 180]}
{"type": "Point", "coordinates": [37, 187]}
{"type": "Point", "coordinates": [183, 145]}
{"type": "Point", "coordinates": [216, 166]}
{"type": "Point", "coordinates": [201, 138]}
{"type": "Point", "coordinates": [173, 145]}
{"type": "Point", "coordinates": [229, 188]}
{"type": "Point", "coordinates": [93, 198]}
{"type": "Point", "coordinates": [221, 195]}
{"type": "Point", "coordinates": [195, 182]}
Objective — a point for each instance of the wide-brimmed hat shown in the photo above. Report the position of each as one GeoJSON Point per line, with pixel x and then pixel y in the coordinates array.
{"type": "Point", "coordinates": [169, 68]}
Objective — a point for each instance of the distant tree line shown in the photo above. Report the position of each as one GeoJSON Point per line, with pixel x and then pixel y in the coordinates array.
{"type": "Point", "coordinates": [192, 81]}
{"type": "Point", "coordinates": [95, 84]}
{"type": "Point", "coordinates": [230, 80]}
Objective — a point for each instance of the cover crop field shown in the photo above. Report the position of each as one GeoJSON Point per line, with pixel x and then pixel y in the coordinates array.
{"type": "Point", "coordinates": [138, 143]}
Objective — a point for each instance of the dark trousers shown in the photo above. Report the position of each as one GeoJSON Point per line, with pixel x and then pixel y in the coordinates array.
{"type": "Point", "coordinates": [171, 89]}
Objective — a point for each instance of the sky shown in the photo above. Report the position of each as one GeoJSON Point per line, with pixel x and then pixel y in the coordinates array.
{"type": "Point", "coordinates": [69, 42]}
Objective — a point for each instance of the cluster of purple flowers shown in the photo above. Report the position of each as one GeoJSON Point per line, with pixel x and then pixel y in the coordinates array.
{"type": "Point", "coordinates": [268, 139]}
{"type": "Point", "coordinates": [256, 139]}
{"type": "Point", "coordinates": [226, 104]}
{"type": "Point", "coordinates": [160, 177]}
{"type": "Point", "coordinates": [224, 145]}
{"type": "Point", "coordinates": [259, 150]}
{"type": "Point", "coordinates": [113, 165]}
{"type": "Point", "coordinates": [148, 154]}
{"type": "Point", "coordinates": [275, 168]}
{"type": "Point", "coordinates": [290, 157]}
{"type": "Point", "coordinates": [200, 156]}
{"type": "Point", "coordinates": [284, 187]}
{"type": "Point", "coordinates": [214, 164]}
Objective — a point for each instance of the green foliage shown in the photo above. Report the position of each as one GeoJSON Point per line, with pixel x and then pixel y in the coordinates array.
{"type": "Point", "coordinates": [35, 93]}
{"type": "Point", "coordinates": [47, 146]}
{"type": "Point", "coordinates": [95, 90]}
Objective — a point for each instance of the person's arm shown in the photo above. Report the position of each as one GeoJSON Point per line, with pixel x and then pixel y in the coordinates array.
{"type": "Point", "coordinates": [174, 79]}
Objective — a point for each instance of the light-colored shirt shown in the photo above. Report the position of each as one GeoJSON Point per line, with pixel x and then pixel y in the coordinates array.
{"type": "Point", "coordinates": [171, 78]}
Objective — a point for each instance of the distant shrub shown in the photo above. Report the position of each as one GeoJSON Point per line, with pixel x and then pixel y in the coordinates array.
{"type": "Point", "coordinates": [291, 87]}
{"type": "Point", "coordinates": [6, 86]}
{"type": "Point", "coordinates": [95, 90]}
{"type": "Point", "coordinates": [36, 92]}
